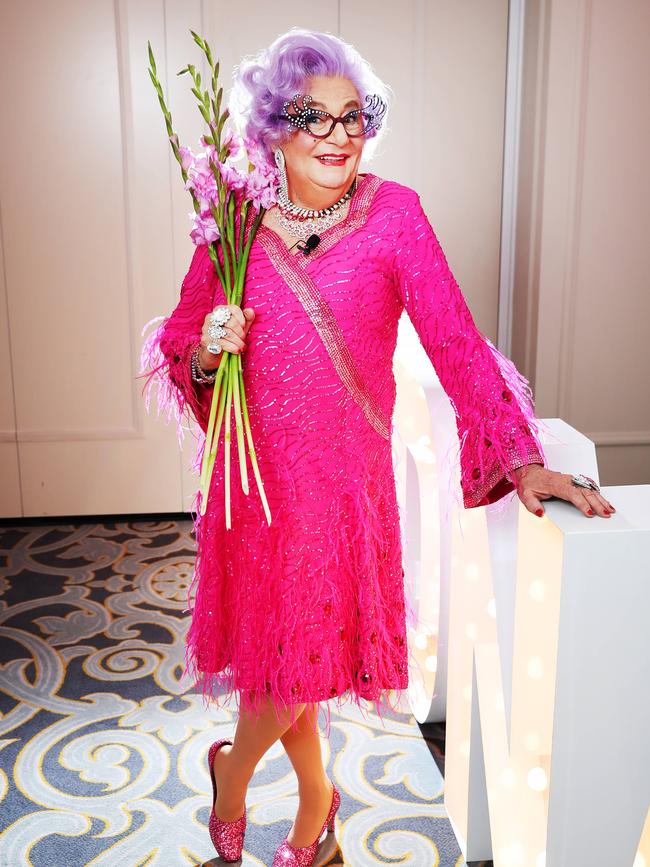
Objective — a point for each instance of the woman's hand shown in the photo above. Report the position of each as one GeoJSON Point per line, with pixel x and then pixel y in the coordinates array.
{"type": "Point", "coordinates": [233, 341]}
{"type": "Point", "coordinates": [536, 483]}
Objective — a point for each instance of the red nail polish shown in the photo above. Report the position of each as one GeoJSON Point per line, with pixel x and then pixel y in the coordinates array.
{"type": "Point", "coordinates": [590, 511]}
{"type": "Point", "coordinates": [539, 512]}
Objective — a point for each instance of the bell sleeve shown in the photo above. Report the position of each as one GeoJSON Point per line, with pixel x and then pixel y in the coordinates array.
{"type": "Point", "coordinates": [492, 401]}
{"type": "Point", "coordinates": [166, 351]}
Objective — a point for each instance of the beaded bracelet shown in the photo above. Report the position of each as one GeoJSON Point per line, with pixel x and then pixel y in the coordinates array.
{"type": "Point", "coordinates": [198, 374]}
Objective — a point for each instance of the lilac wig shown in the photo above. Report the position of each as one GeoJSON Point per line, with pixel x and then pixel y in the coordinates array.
{"type": "Point", "coordinates": [263, 83]}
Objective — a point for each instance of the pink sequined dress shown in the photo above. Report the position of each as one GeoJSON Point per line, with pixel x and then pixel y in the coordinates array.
{"type": "Point", "coordinates": [313, 607]}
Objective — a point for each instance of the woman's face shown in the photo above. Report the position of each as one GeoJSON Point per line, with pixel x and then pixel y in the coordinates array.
{"type": "Point", "coordinates": [305, 168]}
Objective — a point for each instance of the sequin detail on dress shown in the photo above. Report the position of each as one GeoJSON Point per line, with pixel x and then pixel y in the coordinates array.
{"type": "Point", "coordinates": [321, 314]}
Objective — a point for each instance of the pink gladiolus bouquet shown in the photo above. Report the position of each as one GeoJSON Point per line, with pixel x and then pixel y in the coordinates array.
{"type": "Point", "coordinates": [220, 192]}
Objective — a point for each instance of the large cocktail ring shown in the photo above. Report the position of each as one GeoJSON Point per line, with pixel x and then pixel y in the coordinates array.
{"type": "Point", "coordinates": [581, 481]}
{"type": "Point", "coordinates": [220, 315]}
{"type": "Point", "coordinates": [216, 331]}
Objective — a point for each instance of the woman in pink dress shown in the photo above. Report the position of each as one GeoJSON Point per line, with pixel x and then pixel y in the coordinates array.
{"type": "Point", "coordinates": [312, 607]}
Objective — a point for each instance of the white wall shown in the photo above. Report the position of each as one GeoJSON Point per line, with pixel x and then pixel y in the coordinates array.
{"type": "Point", "coordinates": [582, 302]}
{"type": "Point", "coordinates": [94, 218]}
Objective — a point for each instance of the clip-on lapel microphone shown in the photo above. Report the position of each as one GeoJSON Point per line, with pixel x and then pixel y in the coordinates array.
{"type": "Point", "coordinates": [310, 244]}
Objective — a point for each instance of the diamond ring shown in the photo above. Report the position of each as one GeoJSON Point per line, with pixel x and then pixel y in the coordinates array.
{"type": "Point", "coordinates": [220, 315]}
{"type": "Point", "coordinates": [216, 331]}
{"type": "Point", "coordinates": [582, 481]}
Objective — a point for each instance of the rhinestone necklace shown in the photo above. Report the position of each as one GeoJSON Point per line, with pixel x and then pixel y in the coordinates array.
{"type": "Point", "coordinates": [302, 222]}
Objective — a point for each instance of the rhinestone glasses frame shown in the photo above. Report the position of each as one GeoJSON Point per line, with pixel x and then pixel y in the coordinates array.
{"type": "Point", "coordinates": [374, 109]}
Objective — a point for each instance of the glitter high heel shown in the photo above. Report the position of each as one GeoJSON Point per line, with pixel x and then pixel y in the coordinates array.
{"type": "Point", "coordinates": [316, 854]}
{"type": "Point", "coordinates": [227, 837]}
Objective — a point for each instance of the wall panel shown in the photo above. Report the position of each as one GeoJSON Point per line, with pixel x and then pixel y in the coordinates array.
{"type": "Point", "coordinates": [95, 219]}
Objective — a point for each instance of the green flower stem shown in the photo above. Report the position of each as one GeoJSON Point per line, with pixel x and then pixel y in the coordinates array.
{"type": "Point", "coordinates": [212, 453]}
{"type": "Point", "coordinates": [215, 440]}
{"type": "Point", "coordinates": [173, 137]}
{"type": "Point", "coordinates": [212, 250]}
{"type": "Point", "coordinates": [211, 418]}
{"type": "Point", "coordinates": [231, 230]}
{"type": "Point", "coordinates": [211, 445]}
{"type": "Point", "coordinates": [243, 263]}
{"type": "Point", "coordinates": [243, 212]}
{"type": "Point", "coordinates": [226, 261]}
{"type": "Point", "coordinates": [214, 445]}
{"type": "Point", "coordinates": [241, 447]}
{"type": "Point", "coordinates": [226, 442]}
{"type": "Point", "coordinates": [251, 447]}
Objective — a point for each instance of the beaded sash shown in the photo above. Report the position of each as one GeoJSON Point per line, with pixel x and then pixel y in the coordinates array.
{"type": "Point", "coordinates": [292, 268]}
{"type": "Point", "coordinates": [327, 327]}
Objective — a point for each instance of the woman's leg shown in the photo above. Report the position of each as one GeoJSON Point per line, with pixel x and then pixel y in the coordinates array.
{"type": "Point", "coordinates": [314, 787]}
{"type": "Point", "coordinates": [234, 765]}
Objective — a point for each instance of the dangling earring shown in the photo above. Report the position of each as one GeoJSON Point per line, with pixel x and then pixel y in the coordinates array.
{"type": "Point", "coordinates": [281, 164]}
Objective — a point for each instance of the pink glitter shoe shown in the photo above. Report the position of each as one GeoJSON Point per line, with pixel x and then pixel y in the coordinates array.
{"type": "Point", "coordinates": [227, 837]}
{"type": "Point", "coordinates": [317, 853]}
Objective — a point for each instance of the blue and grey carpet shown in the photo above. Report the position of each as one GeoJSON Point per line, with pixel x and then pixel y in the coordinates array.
{"type": "Point", "coordinates": [103, 748]}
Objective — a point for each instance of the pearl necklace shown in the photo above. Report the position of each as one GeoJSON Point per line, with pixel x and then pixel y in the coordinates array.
{"type": "Point", "coordinates": [302, 222]}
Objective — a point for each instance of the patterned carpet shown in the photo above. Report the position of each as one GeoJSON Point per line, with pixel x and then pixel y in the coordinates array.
{"type": "Point", "coordinates": [103, 748]}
